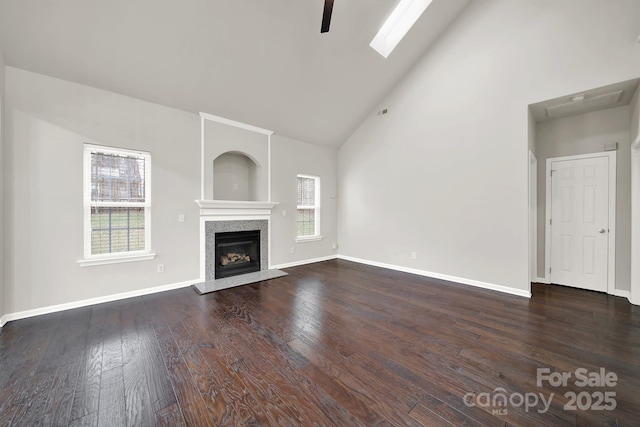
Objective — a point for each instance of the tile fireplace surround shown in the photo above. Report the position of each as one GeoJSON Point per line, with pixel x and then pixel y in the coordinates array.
{"type": "Point", "coordinates": [219, 216]}
{"type": "Point", "coordinates": [213, 227]}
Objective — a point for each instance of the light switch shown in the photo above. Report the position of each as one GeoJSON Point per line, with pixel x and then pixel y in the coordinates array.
{"type": "Point", "coordinates": [181, 218]}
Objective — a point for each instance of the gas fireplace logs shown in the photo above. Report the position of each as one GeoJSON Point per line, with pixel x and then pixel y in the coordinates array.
{"type": "Point", "coordinates": [233, 258]}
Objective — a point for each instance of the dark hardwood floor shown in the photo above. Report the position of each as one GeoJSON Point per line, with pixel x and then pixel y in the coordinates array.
{"type": "Point", "coordinates": [333, 343]}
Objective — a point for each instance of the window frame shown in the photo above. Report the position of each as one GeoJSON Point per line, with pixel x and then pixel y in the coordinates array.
{"type": "Point", "coordinates": [316, 207]}
{"type": "Point", "coordinates": [124, 256]}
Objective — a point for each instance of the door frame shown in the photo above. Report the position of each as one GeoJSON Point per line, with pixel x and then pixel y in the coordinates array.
{"type": "Point", "coordinates": [611, 252]}
{"type": "Point", "coordinates": [634, 293]}
{"type": "Point", "coordinates": [533, 218]}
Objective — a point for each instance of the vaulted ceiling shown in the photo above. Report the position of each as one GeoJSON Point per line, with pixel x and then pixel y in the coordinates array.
{"type": "Point", "coordinates": [262, 62]}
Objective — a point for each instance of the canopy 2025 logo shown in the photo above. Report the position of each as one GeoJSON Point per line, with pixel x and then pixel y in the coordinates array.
{"type": "Point", "coordinates": [585, 400]}
{"type": "Point", "coordinates": [600, 400]}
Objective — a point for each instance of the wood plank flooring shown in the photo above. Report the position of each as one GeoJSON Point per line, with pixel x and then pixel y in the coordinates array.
{"type": "Point", "coordinates": [334, 343]}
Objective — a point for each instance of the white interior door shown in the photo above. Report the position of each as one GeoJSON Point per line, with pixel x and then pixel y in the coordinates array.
{"type": "Point", "coordinates": [580, 223]}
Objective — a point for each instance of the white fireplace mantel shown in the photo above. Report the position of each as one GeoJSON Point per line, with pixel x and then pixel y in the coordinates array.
{"type": "Point", "coordinates": [234, 208]}
{"type": "Point", "coordinates": [232, 211]}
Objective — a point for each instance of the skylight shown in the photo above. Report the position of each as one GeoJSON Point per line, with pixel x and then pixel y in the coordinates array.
{"type": "Point", "coordinates": [397, 25]}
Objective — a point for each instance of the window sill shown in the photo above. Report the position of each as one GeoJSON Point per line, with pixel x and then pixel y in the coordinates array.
{"type": "Point", "coordinates": [115, 259]}
{"type": "Point", "coordinates": [304, 239]}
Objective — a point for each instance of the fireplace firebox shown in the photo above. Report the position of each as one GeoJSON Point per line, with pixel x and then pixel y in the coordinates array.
{"type": "Point", "coordinates": [237, 252]}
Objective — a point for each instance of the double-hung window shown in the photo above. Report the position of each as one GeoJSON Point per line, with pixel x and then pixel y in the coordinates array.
{"type": "Point", "coordinates": [117, 205]}
{"type": "Point", "coordinates": [308, 204]}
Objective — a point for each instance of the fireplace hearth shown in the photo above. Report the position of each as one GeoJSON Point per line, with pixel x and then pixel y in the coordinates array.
{"type": "Point", "coordinates": [237, 252]}
{"type": "Point", "coordinates": [241, 262]}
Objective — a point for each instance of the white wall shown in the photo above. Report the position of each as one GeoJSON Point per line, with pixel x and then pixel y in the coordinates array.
{"type": "Point", "coordinates": [47, 122]}
{"type": "Point", "coordinates": [583, 134]}
{"type": "Point", "coordinates": [233, 178]}
{"type": "Point", "coordinates": [444, 174]}
{"type": "Point", "coordinates": [2, 171]}
{"type": "Point", "coordinates": [288, 159]}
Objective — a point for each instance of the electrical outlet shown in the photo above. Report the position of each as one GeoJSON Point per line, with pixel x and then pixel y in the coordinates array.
{"type": "Point", "coordinates": [414, 255]}
{"type": "Point", "coordinates": [334, 246]}
{"type": "Point", "coordinates": [160, 268]}
{"type": "Point", "coordinates": [284, 213]}
{"type": "Point", "coordinates": [293, 249]}
{"type": "Point", "coordinates": [181, 218]}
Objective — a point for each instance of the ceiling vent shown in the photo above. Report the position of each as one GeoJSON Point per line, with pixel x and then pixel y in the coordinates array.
{"type": "Point", "coordinates": [584, 104]}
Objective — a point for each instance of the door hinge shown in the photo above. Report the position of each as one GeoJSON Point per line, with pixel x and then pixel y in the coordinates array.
{"type": "Point", "coordinates": [550, 220]}
{"type": "Point", "coordinates": [549, 270]}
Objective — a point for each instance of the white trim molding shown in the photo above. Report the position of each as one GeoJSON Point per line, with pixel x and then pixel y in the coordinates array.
{"type": "Point", "coordinates": [634, 293]}
{"type": "Point", "coordinates": [203, 166]}
{"type": "Point", "coordinates": [224, 207]}
{"type": "Point", "coordinates": [268, 166]}
{"type": "Point", "coordinates": [202, 157]}
{"type": "Point", "coordinates": [622, 294]}
{"type": "Point", "coordinates": [455, 279]}
{"type": "Point", "coordinates": [92, 301]}
{"type": "Point", "coordinates": [206, 116]}
{"type": "Point", "coordinates": [115, 260]}
{"type": "Point", "coordinates": [304, 262]}
{"type": "Point", "coordinates": [316, 207]}
{"type": "Point", "coordinates": [533, 218]}
{"type": "Point", "coordinates": [304, 239]}
{"type": "Point", "coordinates": [89, 203]}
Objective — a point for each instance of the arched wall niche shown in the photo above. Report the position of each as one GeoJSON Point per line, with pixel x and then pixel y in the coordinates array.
{"type": "Point", "coordinates": [235, 177]}
{"type": "Point", "coordinates": [234, 154]}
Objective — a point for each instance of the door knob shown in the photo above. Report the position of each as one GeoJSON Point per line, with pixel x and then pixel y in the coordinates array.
{"type": "Point", "coordinates": [602, 230]}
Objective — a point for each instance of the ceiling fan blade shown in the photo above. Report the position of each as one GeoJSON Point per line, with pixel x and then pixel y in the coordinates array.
{"type": "Point", "coordinates": [326, 16]}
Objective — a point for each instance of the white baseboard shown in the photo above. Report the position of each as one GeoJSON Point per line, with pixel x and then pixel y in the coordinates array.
{"type": "Point", "coordinates": [616, 292]}
{"type": "Point", "coordinates": [304, 262]}
{"type": "Point", "coordinates": [92, 301]}
{"type": "Point", "coordinates": [461, 280]}
{"type": "Point", "coordinates": [621, 293]}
